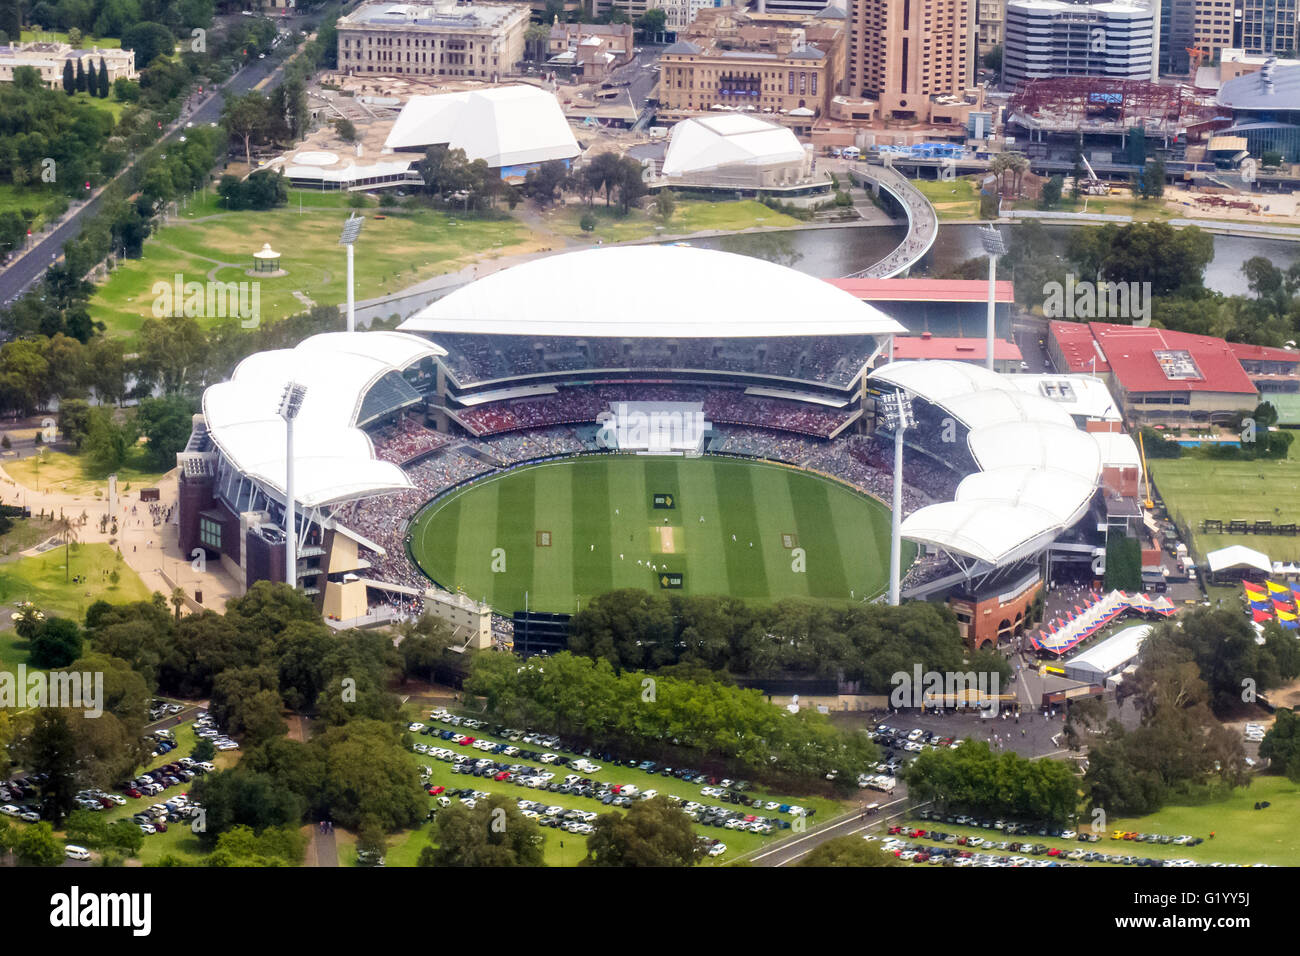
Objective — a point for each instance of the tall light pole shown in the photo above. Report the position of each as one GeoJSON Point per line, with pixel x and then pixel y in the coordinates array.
{"type": "Point", "coordinates": [897, 409]}
{"type": "Point", "coordinates": [347, 239]}
{"type": "Point", "coordinates": [290, 406]}
{"type": "Point", "coordinates": [994, 246]}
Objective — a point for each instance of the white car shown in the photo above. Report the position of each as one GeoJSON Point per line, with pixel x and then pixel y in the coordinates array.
{"type": "Point", "coordinates": [915, 734]}
{"type": "Point", "coordinates": [717, 849]}
{"type": "Point", "coordinates": [30, 816]}
{"type": "Point", "coordinates": [148, 828]}
{"type": "Point", "coordinates": [415, 728]}
{"type": "Point", "coordinates": [74, 852]}
{"type": "Point", "coordinates": [549, 758]}
{"type": "Point", "coordinates": [10, 810]}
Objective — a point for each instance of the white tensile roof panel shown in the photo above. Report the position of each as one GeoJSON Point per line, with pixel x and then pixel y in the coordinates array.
{"type": "Point", "coordinates": [1062, 495]}
{"type": "Point", "coordinates": [505, 126]}
{"type": "Point", "coordinates": [979, 409]}
{"type": "Point", "coordinates": [709, 143]}
{"type": "Point", "coordinates": [1118, 450]}
{"type": "Point", "coordinates": [607, 292]}
{"type": "Point", "coordinates": [938, 380]}
{"type": "Point", "coordinates": [987, 531]}
{"type": "Point", "coordinates": [334, 460]}
{"type": "Point", "coordinates": [1037, 445]}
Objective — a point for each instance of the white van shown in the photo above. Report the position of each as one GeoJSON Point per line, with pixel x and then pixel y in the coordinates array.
{"type": "Point", "coordinates": [76, 852]}
{"type": "Point", "coordinates": [851, 152]}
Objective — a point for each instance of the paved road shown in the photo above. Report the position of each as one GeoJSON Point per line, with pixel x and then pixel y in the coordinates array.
{"type": "Point", "coordinates": [22, 274]}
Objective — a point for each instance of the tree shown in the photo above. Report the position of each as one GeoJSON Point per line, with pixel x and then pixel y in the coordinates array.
{"type": "Point", "coordinates": [50, 748]}
{"type": "Point", "coordinates": [1152, 184]}
{"type": "Point", "coordinates": [1271, 157]}
{"type": "Point", "coordinates": [652, 832]}
{"type": "Point", "coordinates": [993, 59]}
{"type": "Point", "coordinates": [165, 424]}
{"type": "Point", "coordinates": [346, 130]}
{"type": "Point", "coordinates": [107, 441]}
{"type": "Point", "coordinates": [652, 22]}
{"type": "Point", "coordinates": [57, 644]}
{"type": "Point", "coordinates": [849, 851]}
{"type": "Point", "coordinates": [69, 80]}
{"type": "Point", "coordinates": [74, 420]}
{"type": "Point", "coordinates": [495, 833]}
{"type": "Point", "coordinates": [102, 89]}
{"type": "Point", "coordinates": [87, 828]}
{"type": "Point", "coordinates": [74, 38]}
{"type": "Point", "coordinates": [665, 203]}
{"type": "Point", "coordinates": [38, 846]}
{"type": "Point", "coordinates": [92, 78]}
{"type": "Point", "coordinates": [81, 77]}
{"type": "Point", "coordinates": [1281, 745]}
{"type": "Point", "coordinates": [542, 182]}
{"type": "Point", "coordinates": [588, 221]}
{"type": "Point", "coordinates": [247, 118]}
{"type": "Point", "coordinates": [1051, 193]}
{"type": "Point", "coordinates": [149, 41]}
{"type": "Point", "coordinates": [535, 39]}
{"type": "Point", "coordinates": [203, 750]}
{"type": "Point", "coordinates": [241, 798]}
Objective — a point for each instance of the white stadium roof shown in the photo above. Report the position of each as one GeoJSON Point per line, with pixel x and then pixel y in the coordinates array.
{"type": "Point", "coordinates": [334, 459]}
{"type": "Point", "coordinates": [735, 139]}
{"type": "Point", "coordinates": [506, 125]}
{"type": "Point", "coordinates": [607, 292]}
{"type": "Point", "coordinates": [1083, 395]}
{"type": "Point", "coordinates": [1038, 472]}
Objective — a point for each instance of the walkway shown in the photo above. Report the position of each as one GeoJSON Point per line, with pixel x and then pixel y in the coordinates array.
{"type": "Point", "coordinates": [922, 221]}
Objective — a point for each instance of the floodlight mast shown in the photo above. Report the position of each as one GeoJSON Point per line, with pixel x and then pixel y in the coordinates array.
{"type": "Point", "coordinates": [994, 247]}
{"type": "Point", "coordinates": [897, 409]}
{"type": "Point", "coordinates": [290, 405]}
{"type": "Point", "coordinates": [347, 239]}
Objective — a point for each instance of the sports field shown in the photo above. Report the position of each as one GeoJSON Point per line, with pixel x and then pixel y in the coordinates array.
{"type": "Point", "coordinates": [566, 531]}
{"type": "Point", "coordinates": [1195, 488]}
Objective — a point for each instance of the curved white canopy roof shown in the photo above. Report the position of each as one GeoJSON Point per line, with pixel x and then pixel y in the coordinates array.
{"type": "Point", "coordinates": [992, 532]}
{"type": "Point", "coordinates": [1038, 471]}
{"type": "Point", "coordinates": [1059, 493]}
{"type": "Point", "coordinates": [1034, 444]}
{"type": "Point", "coordinates": [735, 139]}
{"type": "Point", "coordinates": [505, 125]}
{"type": "Point", "coordinates": [334, 460]}
{"type": "Point", "coordinates": [607, 292]}
{"type": "Point", "coordinates": [978, 409]}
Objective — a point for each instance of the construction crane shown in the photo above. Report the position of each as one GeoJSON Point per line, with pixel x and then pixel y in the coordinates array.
{"type": "Point", "coordinates": [1092, 186]}
{"type": "Point", "coordinates": [1194, 57]}
{"type": "Point", "coordinates": [1146, 472]}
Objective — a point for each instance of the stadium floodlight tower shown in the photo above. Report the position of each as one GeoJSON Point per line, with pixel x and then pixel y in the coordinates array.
{"type": "Point", "coordinates": [994, 246]}
{"type": "Point", "coordinates": [290, 406]}
{"type": "Point", "coordinates": [348, 239]}
{"type": "Point", "coordinates": [897, 409]}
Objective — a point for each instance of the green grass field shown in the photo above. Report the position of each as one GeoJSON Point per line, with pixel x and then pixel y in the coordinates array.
{"type": "Point", "coordinates": [74, 474]}
{"type": "Point", "coordinates": [40, 580]}
{"type": "Point", "coordinates": [689, 217]}
{"type": "Point", "coordinates": [1197, 488]}
{"type": "Point", "coordinates": [397, 248]}
{"type": "Point", "coordinates": [601, 520]}
{"type": "Point", "coordinates": [956, 199]}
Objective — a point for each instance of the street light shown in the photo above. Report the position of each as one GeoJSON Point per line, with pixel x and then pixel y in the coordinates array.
{"type": "Point", "coordinates": [290, 405]}
{"type": "Point", "coordinates": [993, 247]}
{"type": "Point", "coordinates": [897, 410]}
{"type": "Point", "coordinates": [348, 238]}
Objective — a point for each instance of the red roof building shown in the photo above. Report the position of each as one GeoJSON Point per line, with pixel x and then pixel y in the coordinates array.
{"type": "Point", "coordinates": [946, 308]}
{"type": "Point", "coordinates": [1006, 355]}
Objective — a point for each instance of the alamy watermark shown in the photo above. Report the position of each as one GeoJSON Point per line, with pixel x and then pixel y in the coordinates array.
{"type": "Point", "coordinates": [73, 690]}
{"type": "Point", "coordinates": [945, 689]}
{"type": "Point", "coordinates": [628, 427]}
{"type": "Point", "coordinates": [208, 300]}
{"type": "Point", "coordinates": [1085, 299]}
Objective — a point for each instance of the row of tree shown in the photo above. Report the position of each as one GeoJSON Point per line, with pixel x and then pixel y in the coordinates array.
{"type": "Point", "coordinates": [870, 643]}
{"type": "Point", "coordinates": [86, 79]}
{"type": "Point", "coordinates": [700, 721]}
{"type": "Point", "coordinates": [974, 778]}
{"type": "Point", "coordinates": [616, 176]}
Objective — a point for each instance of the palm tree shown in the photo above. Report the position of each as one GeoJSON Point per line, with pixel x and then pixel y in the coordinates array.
{"type": "Point", "coordinates": [178, 600]}
{"type": "Point", "coordinates": [66, 528]}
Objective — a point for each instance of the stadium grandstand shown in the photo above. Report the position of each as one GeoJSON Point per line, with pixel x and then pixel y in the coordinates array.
{"type": "Point", "coordinates": [527, 365]}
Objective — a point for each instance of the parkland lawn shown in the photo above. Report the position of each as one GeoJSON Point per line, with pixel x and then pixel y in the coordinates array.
{"type": "Point", "coordinates": [56, 471]}
{"type": "Point", "coordinates": [955, 199]}
{"type": "Point", "coordinates": [690, 216]}
{"type": "Point", "coordinates": [397, 248]}
{"type": "Point", "coordinates": [42, 580]}
{"type": "Point", "coordinates": [1195, 488]}
{"type": "Point", "coordinates": [566, 531]}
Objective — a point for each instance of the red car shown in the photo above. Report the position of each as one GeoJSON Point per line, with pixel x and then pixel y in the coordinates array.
{"type": "Point", "coordinates": [160, 826]}
{"type": "Point", "coordinates": [434, 791]}
{"type": "Point", "coordinates": [503, 775]}
{"type": "Point", "coordinates": [1054, 852]}
{"type": "Point", "coordinates": [133, 792]}
{"type": "Point", "coordinates": [917, 833]}
{"type": "Point", "coordinates": [892, 830]}
{"type": "Point", "coordinates": [467, 741]}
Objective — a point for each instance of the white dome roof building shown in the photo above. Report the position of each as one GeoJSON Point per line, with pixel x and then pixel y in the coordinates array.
{"type": "Point", "coordinates": [736, 151]}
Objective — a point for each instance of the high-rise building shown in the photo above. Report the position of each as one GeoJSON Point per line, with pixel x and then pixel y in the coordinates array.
{"type": "Point", "coordinates": [1268, 26]}
{"type": "Point", "coordinates": [1050, 38]}
{"type": "Point", "coordinates": [902, 52]}
{"type": "Point", "coordinates": [989, 20]}
{"type": "Point", "coordinates": [1177, 34]}
{"type": "Point", "coordinates": [1213, 27]}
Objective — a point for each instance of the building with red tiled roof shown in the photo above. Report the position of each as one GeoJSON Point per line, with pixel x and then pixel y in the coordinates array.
{"type": "Point", "coordinates": [1006, 355]}
{"type": "Point", "coordinates": [945, 308]}
{"type": "Point", "coordinates": [1159, 375]}
{"type": "Point", "coordinates": [1275, 372]}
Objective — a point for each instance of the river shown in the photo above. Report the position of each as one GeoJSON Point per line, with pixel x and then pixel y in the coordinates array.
{"type": "Point", "coordinates": [837, 252]}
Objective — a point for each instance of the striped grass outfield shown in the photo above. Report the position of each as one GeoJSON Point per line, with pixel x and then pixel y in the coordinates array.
{"type": "Point", "coordinates": [566, 531]}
